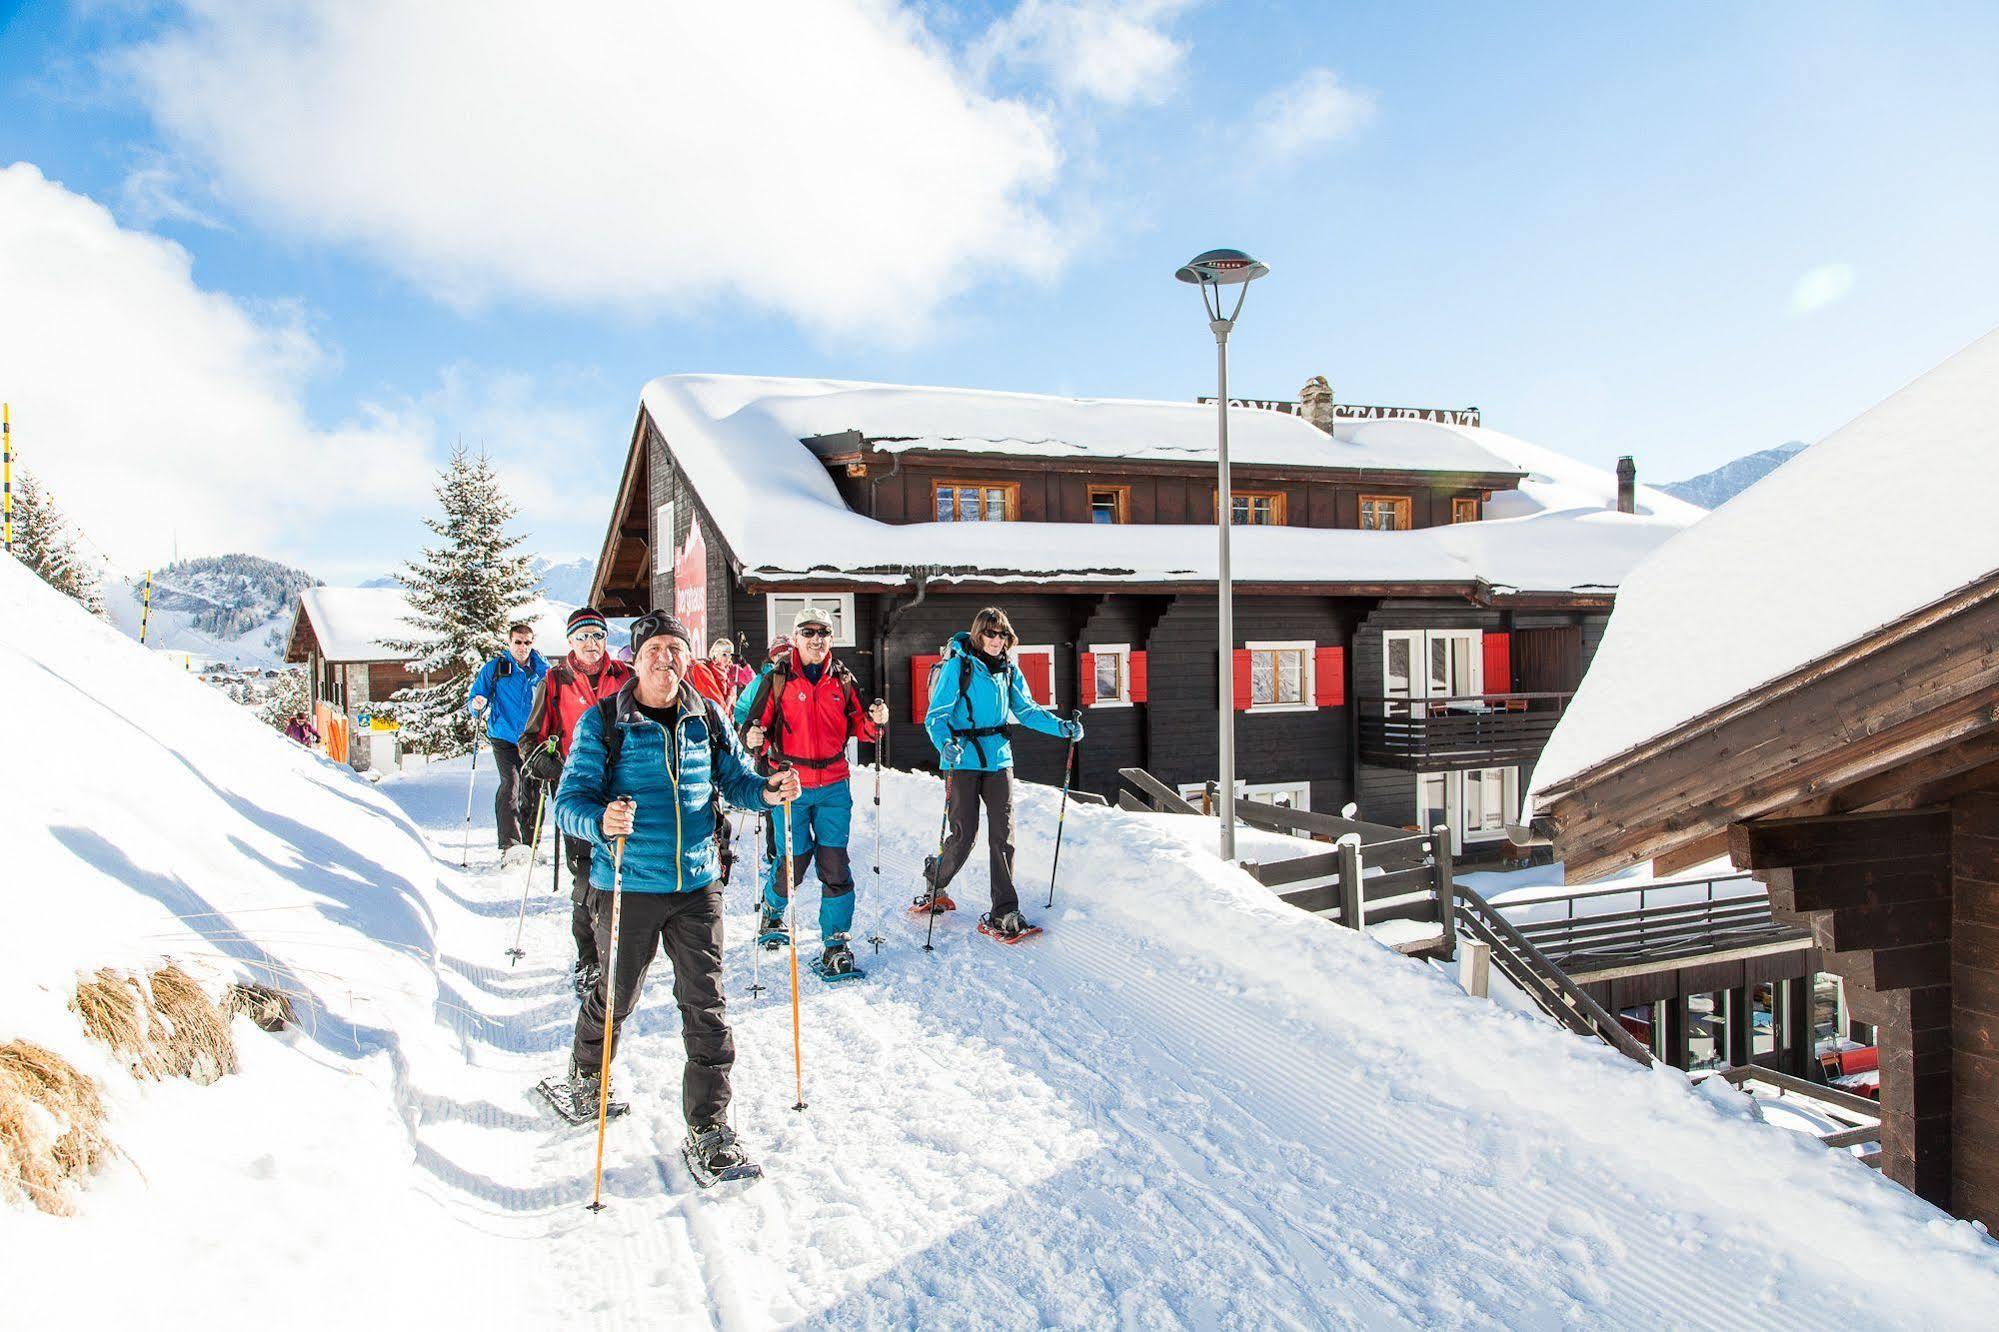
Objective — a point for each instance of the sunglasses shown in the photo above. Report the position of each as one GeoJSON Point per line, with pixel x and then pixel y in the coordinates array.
{"type": "Point", "coordinates": [992, 633]}
{"type": "Point", "coordinates": [815, 633]}
{"type": "Point", "coordinates": [586, 638]}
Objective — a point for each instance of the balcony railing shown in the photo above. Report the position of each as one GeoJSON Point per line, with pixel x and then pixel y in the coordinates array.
{"type": "Point", "coordinates": [1450, 734]}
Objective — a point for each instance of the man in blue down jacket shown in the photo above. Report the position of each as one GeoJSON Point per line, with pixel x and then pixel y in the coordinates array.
{"type": "Point", "coordinates": [503, 693]}
{"type": "Point", "coordinates": [644, 766]}
{"type": "Point", "coordinates": [977, 696]}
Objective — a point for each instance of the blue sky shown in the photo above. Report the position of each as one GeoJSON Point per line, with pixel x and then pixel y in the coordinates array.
{"type": "Point", "coordinates": [1680, 232]}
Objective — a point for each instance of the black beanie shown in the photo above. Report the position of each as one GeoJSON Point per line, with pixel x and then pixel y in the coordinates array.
{"type": "Point", "coordinates": [654, 623]}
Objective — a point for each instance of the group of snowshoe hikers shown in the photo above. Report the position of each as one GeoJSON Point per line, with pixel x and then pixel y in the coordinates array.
{"type": "Point", "coordinates": [643, 758]}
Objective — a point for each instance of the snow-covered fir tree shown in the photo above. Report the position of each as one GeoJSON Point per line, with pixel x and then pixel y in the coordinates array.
{"type": "Point", "coordinates": [463, 594]}
{"type": "Point", "coordinates": [287, 695]}
{"type": "Point", "coordinates": [44, 542]}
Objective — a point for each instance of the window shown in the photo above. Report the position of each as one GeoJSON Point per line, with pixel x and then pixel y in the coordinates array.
{"type": "Point", "coordinates": [1464, 510]}
{"type": "Point", "coordinates": [1110, 504]}
{"type": "Point", "coordinates": [1257, 508]}
{"type": "Point", "coordinates": [1285, 795]}
{"type": "Point", "coordinates": [1110, 663]}
{"type": "Point", "coordinates": [1384, 513]}
{"type": "Point", "coordinates": [977, 501]}
{"type": "Point", "coordinates": [782, 610]}
{"type": "Point", "coordinates": [1476, 805]}
{"type": "Point", "coordinates": [1280, 677]}
{"type": "Point", "coordinates": [662, 538]}
{"type": "Point", "coordinates": [1419, 664]}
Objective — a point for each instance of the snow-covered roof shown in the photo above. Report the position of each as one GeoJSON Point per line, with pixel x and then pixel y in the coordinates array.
{"type": "Point", "coordinates": [738, 440]}
{"type": "Point", "coordinates": [357, 623]}
{"type": "Point", "coordinates": [1885, 515]}
{"type": "Point", "coordinates": [1037, 425]}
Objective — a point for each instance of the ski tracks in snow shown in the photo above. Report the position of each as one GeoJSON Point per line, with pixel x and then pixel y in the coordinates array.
{"type": "Point", "coordinates": [1076, 1132]}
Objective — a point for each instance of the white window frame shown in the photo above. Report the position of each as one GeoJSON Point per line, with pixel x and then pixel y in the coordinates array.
{"type": "Point", "coordinates": [1419, 666]}
{"type": "Point", "coordinates": [1299, 791]}
{"type": "Point", "coordinates": [1454, 804]}
{"type": "Point", "coordinates": [1308, 684]}
{"type": "Point", "coordinates": [1039, 649]}
{"type": "Point", "coordinates": [662, 546]}
{"type": "Point", "coordinates": [1122, 651]}
{"type": "Point", "coordinates": [841, 603]}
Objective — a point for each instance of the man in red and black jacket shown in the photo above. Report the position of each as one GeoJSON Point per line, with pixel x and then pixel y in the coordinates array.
{"type": "Point", "coordinates": [802, 713]}
{"type": "Point", "coordinates": [571, 688]}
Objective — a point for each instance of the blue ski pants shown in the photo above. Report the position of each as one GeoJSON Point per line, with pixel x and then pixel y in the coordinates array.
{"type": "Point", "coordinates": [821, 819]}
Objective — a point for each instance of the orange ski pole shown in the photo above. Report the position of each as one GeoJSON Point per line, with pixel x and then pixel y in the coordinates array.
{"type": "Point", "coordinates": [791, 929]}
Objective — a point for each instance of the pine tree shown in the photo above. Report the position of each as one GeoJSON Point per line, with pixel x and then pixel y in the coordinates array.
{"type": "Point", "coordinates": [44, 542]}
{"type": "Point", "coordinates": [288, 696]}
{"type": "Point", "coordinates": [463, 594]}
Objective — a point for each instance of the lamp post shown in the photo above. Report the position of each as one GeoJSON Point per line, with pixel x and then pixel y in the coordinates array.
{"type": "Point", "coordinates": [1211, 272]}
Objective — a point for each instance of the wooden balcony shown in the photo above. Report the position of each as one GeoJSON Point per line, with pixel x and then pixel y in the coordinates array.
{"type": "Point", "coordinates": [1452, 734]}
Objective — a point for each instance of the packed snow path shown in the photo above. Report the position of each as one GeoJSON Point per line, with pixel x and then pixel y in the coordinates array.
{"type": "Point", "coordinates": [1101, 1128]}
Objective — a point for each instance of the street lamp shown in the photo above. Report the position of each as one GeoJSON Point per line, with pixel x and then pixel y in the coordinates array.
{"type": "Point", "coordinates": [1211, 272]}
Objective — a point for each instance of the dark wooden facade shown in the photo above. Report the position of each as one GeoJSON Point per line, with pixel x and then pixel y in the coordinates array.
{"type": "Point", "coordinates": [1863, 788]}
{"type": "Point", "coordinates": [1171, 732]}
{"type": "Point", "coordinates": [901, 488]}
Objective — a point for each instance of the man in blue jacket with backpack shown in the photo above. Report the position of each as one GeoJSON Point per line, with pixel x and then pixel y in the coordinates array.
{"type": "Point", "coordinates": [643, 771]}
{"type": "Point", "coordinates": [977, 697]}
{"type": "Point", "coordinates": [503, 693]}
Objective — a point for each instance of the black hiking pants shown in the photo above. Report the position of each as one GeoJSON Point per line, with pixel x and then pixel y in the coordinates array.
{"type": "Point", "coordinates": [964, 793]}
{"type": "Point", "coordinates": [514, 823]}
{"type": "Point", "coordinates": [689, 926]}
{"type": "Point", "coordinates": [582, 916]}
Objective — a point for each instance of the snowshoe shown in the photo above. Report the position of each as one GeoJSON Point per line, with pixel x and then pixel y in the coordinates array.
{"type": "Point", "coordinates": [714, 1156]}
{"type": "Point", "coordinates": [574, 1100]}
{"type": "Point", "coordinates": [836, 964]}
{"type": "Point", "coordinates": [771, 933]}
{"type": "Point", "coordinates": [1010, 928]}
{"type": "Point", "coordinates": [931, 904]}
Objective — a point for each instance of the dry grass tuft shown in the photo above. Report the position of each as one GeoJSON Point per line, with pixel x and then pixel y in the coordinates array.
{"type": "Point", "coordinates": [51, 1126]}
{"type": "Point", "coordinates": [165, 1028]}
{"type": "Point", "coordinates": [268, 1008]}
{"type": "Point", "coordinates": [196, 1039]}
{"type": "Point", "coordinates": [117, 1012]}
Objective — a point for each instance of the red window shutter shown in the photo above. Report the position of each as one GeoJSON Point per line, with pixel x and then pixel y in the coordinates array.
{"type": "Point", "coordinates": [1137, 668]}
{"type": "Point", "coordinates": [1498, 663]}
{"type": "Point", "coordinates": [1242, 690]}
{"type": "Point", "coordinates": [1329, 684]}
{"type": "Point", "coordinates": [1034, 670]}
{"type": "Point", "coordinates": [919, 685]}
{"type": "Point", "coordinates": [1086, 681]}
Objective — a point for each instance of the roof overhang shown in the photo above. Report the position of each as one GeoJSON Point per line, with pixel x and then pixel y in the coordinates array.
{"type": "Point", "coordinates": [1896, 718]}
{"type": "Point", "coordinates": [300, 641]}
{"type": "Point", "coordinates": [624, 562]}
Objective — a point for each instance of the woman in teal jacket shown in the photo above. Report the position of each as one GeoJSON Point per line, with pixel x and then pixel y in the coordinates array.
{"type": "Point", "coordinates": [977, 696]}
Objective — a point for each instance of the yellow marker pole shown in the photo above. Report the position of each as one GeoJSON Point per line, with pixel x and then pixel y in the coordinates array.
{"type": "Point", "coordinates": [146, 611]}
{"type": "Point", "coordinates": [7, 468]}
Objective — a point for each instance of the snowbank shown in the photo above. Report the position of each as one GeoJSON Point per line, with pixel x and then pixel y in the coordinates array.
{"type": "Point", "coordinates": [738, 437]}
{"type": "Point", "coordinates": [1816, 555]}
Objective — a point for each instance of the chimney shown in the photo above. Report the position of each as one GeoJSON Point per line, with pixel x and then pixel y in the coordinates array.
{"type": "Point", "coordinates": [1627, 485]}
{"type": "Point", "coordinates": [1315, 403]}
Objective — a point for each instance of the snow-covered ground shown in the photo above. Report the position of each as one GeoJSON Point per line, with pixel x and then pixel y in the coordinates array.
{"type": "Point", "coordinates": [1186, 1105]}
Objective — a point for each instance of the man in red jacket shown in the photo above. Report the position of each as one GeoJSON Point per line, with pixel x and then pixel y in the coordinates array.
{"type": "Point", "coordinates": [571, 688]}
{"type": "Point", "coordinates": [803, 713]}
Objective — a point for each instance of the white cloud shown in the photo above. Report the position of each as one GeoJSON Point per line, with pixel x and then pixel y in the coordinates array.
{"type": "Point", "coordinates": [1820, 287]}
{"type": "Point", "coordinates": [1111, 51]}
{"type": "Point", "coordinates": [154, 193]}
{"type": "Point", "coordinates": [1309, 113]}
{"type": "Point", "coordinates": [824, 159]}
{"type": "Point", "coordinates": [154, 408]}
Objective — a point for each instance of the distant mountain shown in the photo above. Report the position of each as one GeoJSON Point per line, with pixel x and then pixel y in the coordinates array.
{"type": "Point", "coordinates": [222, 608]}
{"type": "Point", "coordinates": [568, 580]}
{"type": "Point", "coordinates": [1713, 489]}
{"type": "Point", "coordinates": [389, 580]}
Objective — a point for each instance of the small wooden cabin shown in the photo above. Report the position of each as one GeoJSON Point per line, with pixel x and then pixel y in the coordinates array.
{"type": "Point", "coordinates": [1813, 692]}
{"type": "Point", "coordinates": [1416, 595]}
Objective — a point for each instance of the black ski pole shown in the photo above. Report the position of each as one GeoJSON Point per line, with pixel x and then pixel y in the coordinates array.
{"type": "Point", "coordinates": [937, 871]}
{"type": "Point", "coordinates": [1061, 817]}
